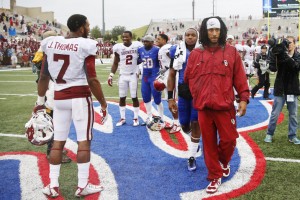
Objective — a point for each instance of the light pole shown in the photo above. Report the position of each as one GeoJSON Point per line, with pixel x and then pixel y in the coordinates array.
{"type": "Point", "coordinates": [193, 5]}
{"type": "Point", "coordinates": [213, 7]}
{"type": "Point", "coordinates": [103, 22]}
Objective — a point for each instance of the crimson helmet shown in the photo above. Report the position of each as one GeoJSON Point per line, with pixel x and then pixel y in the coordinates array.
{"type": "Point", "coordinates": [39, 129]}
{"type": "Point", "coordinates": [159, 84]}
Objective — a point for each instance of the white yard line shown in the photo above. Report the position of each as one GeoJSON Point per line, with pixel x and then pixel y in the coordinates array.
{"type": "Point", "coordinates": [282, 160]}
{"type": "Point", "coordinates": [17, 82]}
{"type": "Point", "coordinates": [1, 94]}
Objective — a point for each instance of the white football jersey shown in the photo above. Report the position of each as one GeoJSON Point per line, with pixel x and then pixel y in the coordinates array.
{"type": "Point", "coordinates": [66, 59]}
{"type": "Point", "coordinates": [164, 60]}
{"type": "Point", "coordinates": [249, 52]}
{"type": "Point", "coordinates": [128, 57]}
{"type": "Point", "coordinates": [257, 50]}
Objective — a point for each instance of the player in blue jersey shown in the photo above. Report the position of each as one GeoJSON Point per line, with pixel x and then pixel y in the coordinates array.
{"type": "Point", "coordinates": [148, 56]}
{"type": "Point", "coordinates": [188, 116]}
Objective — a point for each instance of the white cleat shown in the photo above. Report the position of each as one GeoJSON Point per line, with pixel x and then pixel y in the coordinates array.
{"type": "Point", "coordinates": [51, 192]}
{"type": "Point", "coordinates": [175, 128]}
{"type": "Point", "coordinates": [88, 189]}
{"type": "Point", "coordinates": [136, 122]}
{"type": "Point", "coordinates": [121, 122]}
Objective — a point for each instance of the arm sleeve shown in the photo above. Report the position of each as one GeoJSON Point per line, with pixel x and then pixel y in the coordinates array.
{"type": "Point", "coordinates": [90, 69]}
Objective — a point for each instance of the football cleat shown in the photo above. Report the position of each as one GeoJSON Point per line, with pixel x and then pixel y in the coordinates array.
{"type": "Point", "coordinates": [88, 189]}
{"type": "Point", "coordinates": [121, 122]}
{"type": "Point", "coordinates": [192, 164]}
{"type": "Point", "coordinates": [136, 122]}
{"type": "Point", "coordinates": [226, 170]}
{"type": "Point", "coordinates": [213, 186]}
{"type": "Point", "coordinates": [175, 129]}
{"type": "Point", "coordinates": [51, 192]}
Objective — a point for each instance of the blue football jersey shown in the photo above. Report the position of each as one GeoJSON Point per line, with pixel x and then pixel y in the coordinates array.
{"type": "Point", "coordinates": [149, 59]}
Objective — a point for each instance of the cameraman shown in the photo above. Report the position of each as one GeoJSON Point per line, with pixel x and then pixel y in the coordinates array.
{"type": "Point", "coordinates": [262, 71]}
{"type": "Point", "coordinates": [286, 86]}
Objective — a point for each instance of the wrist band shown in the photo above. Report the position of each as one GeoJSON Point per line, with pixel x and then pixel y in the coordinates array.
{"type": "Point", "coordinates": [111, 74]}
{"type": "Point", "coordinates": [170, 94]}
{"type": "Point", "coordinates": [40, 100]}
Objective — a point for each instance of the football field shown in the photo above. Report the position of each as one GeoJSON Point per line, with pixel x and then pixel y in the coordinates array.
{"type": "Point", "coordinates": [135, 163]}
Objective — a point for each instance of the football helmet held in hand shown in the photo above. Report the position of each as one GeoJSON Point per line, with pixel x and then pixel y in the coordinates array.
{"type": "Point", "coordinates": [159, 84]}
{"type": "Point", "coordinates": [39, 129]}
{"type": "Point", "coordinates": [156, 124]}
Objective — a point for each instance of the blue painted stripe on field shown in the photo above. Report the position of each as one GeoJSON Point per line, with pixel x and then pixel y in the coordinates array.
{"type": "Point", "coordinates": [10, 180]}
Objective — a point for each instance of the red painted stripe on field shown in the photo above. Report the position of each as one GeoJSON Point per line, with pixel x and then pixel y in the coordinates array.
{"type": "Point", "coordinates": [181, 145]}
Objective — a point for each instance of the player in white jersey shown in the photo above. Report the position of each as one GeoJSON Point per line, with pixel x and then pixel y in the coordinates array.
{"type": "Point", "coordinates": [164, 62]}
{"type": "Point", "coordinates": [70, 62]}
{"type": "Point", "coordinates": [125, 58]}
{"type": "Point", "coordinates": [248, 57]}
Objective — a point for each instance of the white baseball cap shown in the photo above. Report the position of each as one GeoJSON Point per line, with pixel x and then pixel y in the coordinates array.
{"type": "Point", "coordinates": [213, 23]}
{"type": "Point", "coordinates": [230, 37]}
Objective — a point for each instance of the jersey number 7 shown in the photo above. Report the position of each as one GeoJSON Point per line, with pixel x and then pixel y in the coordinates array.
{"type": "Point", "coordinates": [66, 59]}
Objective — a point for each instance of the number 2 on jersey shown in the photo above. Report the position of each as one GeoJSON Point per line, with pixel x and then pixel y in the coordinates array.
{"type": "Point", "coordinates": [129, 59]}
{"type": "Point", "coordinates": [66, 59]}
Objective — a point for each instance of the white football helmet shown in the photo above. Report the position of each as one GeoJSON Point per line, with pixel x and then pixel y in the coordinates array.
{"type": "Point", "coordinates": [39, 129]}
{"type": "Point", "coordinates": [156, 124]}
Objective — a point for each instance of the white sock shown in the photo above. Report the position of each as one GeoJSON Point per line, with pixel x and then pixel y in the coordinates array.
{"type": "Point", "coordinates": [136, 111]}
{"type": "Point", "coordinates": [193, 148]}
{"type": "Point", "coordinates": [149, 109]}
{"type": "Point", "coordinates": [160, 109]}
{"type": "Point", "coordinates": [122, 111]}
{"type": "Point", "coordinates": [83, 174]}
{"type": "Point", "coordinates": [53, 175]}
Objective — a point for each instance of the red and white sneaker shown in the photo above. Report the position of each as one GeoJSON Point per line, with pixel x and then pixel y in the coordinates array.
{"type": "Point", "coordinates": [226, 170]}
{"type": "Point", "coordinates": [121, 122]}
{"type": "Point", "coordinates": [136, 122]}
{"type": "Point", "coordinates": [51, 192]}
{"type": "Point", "coordinates": [88, 189]}
{"type": "Point", "coordinates": [213, 186]}
{"type": "Point", "coordinates": [176, 128]}
{"type": "Point", "coordinates": [168, 125]}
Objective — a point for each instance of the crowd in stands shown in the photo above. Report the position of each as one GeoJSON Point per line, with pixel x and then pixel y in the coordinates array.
{"type": "Point", "coordinates": [20, 39]}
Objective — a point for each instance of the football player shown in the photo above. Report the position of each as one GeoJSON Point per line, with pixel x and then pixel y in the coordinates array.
{"type": "Point", "coordinates": [248, 56]}
{"type": "Point", "coordinates": [49, 98]}
{"type": "Point", "coordinates": [188, 115]}
{"type": "Point", "coordinates": [70, 62]}
{"type": "Point", "coordinates": [125, 58]}
{"type": "Point", "coordinates": [148, 55]}
{"type": "Point", "coordinates": [164, 61]}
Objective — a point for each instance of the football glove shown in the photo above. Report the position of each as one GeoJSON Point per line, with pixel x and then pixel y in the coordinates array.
{"type": "Point", "coordinates": [104, 115]}
{"type": "Point", "coordinates": [110, 79]}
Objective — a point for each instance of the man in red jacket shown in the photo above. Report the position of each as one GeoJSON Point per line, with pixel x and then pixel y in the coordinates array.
{"type": "Point", "coordinates": [212, 72]}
